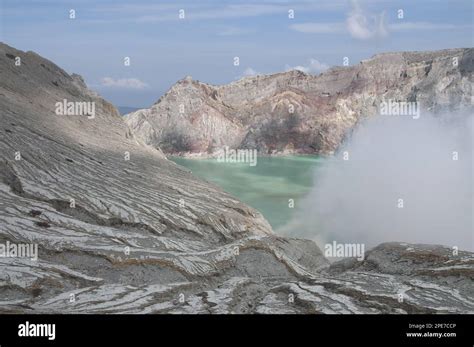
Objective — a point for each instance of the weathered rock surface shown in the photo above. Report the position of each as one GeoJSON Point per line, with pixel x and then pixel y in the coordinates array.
{"type": "Point", "coordinates": [294, 112]}
{"type": "Point", "coordinates": [145, 236]}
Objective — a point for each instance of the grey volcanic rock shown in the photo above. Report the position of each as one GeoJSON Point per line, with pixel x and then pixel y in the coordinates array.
{"type": "Point", "coordinates": [121, 229]}
{"type": "Point", "coordinates": [294, 112]}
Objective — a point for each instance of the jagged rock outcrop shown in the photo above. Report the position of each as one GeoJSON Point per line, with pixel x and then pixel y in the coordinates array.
{"type": "Point", "coordinates": [293, 112]}
{"type": "Point", "coordinates": [121, 229]}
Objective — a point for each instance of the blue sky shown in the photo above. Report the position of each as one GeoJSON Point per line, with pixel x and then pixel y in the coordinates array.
{"type": "Point", "coordinates": [164, 48]}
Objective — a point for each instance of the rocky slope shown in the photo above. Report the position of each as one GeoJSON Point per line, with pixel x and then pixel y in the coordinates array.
{"type": "Point", "coordinates": [294, 112]}
{"type": "Point", "coordinates": [120, 229]}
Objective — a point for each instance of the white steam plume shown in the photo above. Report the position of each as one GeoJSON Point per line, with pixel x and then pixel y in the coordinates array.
{"type": "Point", "coordinates": [392, 158]}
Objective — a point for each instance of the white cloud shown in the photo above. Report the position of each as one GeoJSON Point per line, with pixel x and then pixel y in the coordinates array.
{"type": "Point", "coordinates": [232, 31]}
{"type": "Point", "coordinates": [364, 26]}
{"type": "Point", "coordinates": [360, 27]}
{"type": "Point", "coordinates": [318, 28]}
{"type": "Point", "coordinates": [249, 72]}
{"type": "Point", "coordinates": [423, 26]}
{"type": "Point", "coordinates": [314, 66]}
{"type": "Point", "coordinates": [126, 83]}
{"type": "Point", "coordinates": [229, 11]}
{"type": "Point", "coordinates": [145, 12]}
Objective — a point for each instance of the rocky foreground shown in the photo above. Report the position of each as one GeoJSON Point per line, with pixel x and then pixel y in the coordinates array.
{"type": "Point", "coordinates": [293, 112]}
{"type": "Point", "coordinates": [121, 229]}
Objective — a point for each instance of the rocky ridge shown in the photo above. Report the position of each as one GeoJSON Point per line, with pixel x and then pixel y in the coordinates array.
{"type": "Point", "coordinates": [294, 112]}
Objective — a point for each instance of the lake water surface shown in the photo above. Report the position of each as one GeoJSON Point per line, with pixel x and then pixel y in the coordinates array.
{"type": "Point", "coordinates": [267, 187]}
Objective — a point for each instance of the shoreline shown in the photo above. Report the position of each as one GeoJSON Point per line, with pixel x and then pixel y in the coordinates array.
{"type": "Point", "coordinates": [203, 156]}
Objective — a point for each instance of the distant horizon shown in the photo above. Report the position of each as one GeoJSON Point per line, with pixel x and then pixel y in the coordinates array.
{"type": "Point", "coordinates": [120, 107]}
{"type": "Point", "coordinates": [274, 73]}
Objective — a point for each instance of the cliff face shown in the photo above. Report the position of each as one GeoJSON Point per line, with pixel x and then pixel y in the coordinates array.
{"type": "Point", "coordinates": [293, 112]}
{"type": "Point", "coordinates": [120, 229]}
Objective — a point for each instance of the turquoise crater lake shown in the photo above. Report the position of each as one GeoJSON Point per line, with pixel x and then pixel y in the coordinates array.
{"type": "Point", "coordinates": [268, 186]}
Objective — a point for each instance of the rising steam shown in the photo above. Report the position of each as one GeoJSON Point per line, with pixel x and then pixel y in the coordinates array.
{"type": "Point", "coordinates": [392, 158]}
